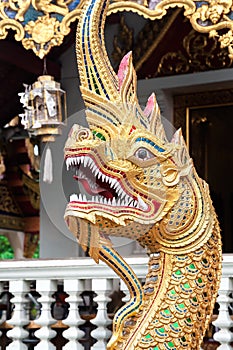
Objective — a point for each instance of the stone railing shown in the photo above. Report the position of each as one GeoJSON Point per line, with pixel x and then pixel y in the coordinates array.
{"type": "Point", "coordinates": [66, 304]}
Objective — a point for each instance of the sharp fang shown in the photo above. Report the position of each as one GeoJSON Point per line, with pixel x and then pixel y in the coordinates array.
{"type": "Point", "coordinates": [93, 166]}
{"type": "Point", "coordinates": [68, 163]}
{"type": "Point", "coordinates": [118, 203]}
{"type": "Point", "coordinates": [142, 204]}
{"type": "Point", "coordinates": [114, 201]}
{"type": "Point", "coordinates": [85, 162]}
{"type": "Point", "coordinates": [73, 198]}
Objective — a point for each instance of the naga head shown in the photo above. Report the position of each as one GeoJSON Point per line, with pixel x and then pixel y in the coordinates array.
{"type": "Point", "coordinates": [129, 174]}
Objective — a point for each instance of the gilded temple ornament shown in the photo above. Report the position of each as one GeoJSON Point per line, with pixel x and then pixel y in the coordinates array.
{"type": "Point", "coordinates": [41, 24]}
{"type": "Point", "coordinates": [213, 17]}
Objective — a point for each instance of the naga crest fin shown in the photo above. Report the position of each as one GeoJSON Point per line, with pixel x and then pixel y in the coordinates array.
{"type": "Point", "coordinates": [183, 156]}
{"type": "Point", "coordinates": [152, 111]}
{"type": "Point", "coordinates": [110, 98]}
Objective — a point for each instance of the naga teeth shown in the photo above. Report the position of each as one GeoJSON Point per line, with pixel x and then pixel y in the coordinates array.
{"type": "Point", "coordinates": [123, 199]}
{"type": "Point", "coordinates": [127, 202]}
{"type": "Point", "coordinates": [73, 198]}
{"type": "Point", "coordinates": [142, 204]}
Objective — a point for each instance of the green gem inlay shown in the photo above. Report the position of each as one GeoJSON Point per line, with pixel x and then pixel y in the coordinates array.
{"type": "Point", "coordinates": [173, 291]}
{"type": "Point", "coordinates": [170, 344]}
{"type": "Point", "coordinates": [195, 299]}
{"type": "Point", "coordinates": [186, 285]}
{"type": "Point", "coordinates": [156, 348]}
{"type": "Point", "coordinates": [189, 320]}
{"type": "Point", "coordinates": [99, 135]}
{"type": "Point", "coordinates": [167, 312]}
{"type": "Point", "coordinates": [192, 266]}
{"type": "Point", "coordinates": [176, 325]}
{"type": "Point", "coordinates": [178, 272]}
{"type": "Point", "coordinates": [161, 330]}
{"type": "Point", "coordinates": [199, 280]}
{"type": "Point", "coordinates": [148, 336]}
{"type": "Point", "coordinates": [182, 306]}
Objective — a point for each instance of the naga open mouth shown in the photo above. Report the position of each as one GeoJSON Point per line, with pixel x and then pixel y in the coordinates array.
{"type": "Point", "coordinates": [100, 188]}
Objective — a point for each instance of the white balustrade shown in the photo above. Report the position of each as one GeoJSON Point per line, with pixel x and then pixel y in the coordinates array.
{"type": "Point", "coordinates": [74, 288]}
{"type": "Point", "coordinates": [19, 317]}
{"type": "Point", "coordinates": [224, 321]}
{"type": "Point", "coordinates": [75, 276]}
{"type": "Point", "coordinates": [103, 287]}
{"type": "Point", "coordinates": [46, 288]}
{"type": "Point", "coordinates": [125, 290]}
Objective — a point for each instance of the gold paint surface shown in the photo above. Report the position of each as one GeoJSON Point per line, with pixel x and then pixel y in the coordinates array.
{"type": "Point", "coordinates": [168, 209]}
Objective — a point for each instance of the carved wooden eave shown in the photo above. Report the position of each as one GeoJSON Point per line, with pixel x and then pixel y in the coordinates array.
{"type": "Point", "coordinates": [32, 189]}
{"type": "Point", "coordinates": [17, 165]}
{"type": "Point", "coordinates": [41, 25]}
{"type": "Point", "coordinates": [11, 217]}
{"type": "Point", "coordinates": [168, 47]}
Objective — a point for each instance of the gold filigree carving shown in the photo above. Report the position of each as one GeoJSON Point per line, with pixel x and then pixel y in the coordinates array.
{"type": "Point", "coordinates": [146, 41]}
{"type": "Point", "coordinates": [40, 25]}
{"type": "Point", "coordinates": [32, 189]}
{"type": "Point", "coordinates": [209, 17]}
{"type": "Point", "coordinates": [199, 53]}
{"type": "Point", "coordinates": [123, 42]}
{"type": "Point", "coordinates": [51, 20]}
{"type": "Point", "coordinates": [10, 214]}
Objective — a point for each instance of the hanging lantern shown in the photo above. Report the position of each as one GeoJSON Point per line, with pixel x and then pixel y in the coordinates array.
{"type": "Point", "coordinates": [45, 108]}
{"type": "Point", "coordinates": [44, 114]}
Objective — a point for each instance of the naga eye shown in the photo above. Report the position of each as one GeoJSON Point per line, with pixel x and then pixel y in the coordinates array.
{"type": "Point", "coordinates": [143, 154]}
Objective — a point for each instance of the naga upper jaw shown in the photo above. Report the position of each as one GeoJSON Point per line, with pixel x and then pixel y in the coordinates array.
{"type": "Point", "coordinates": [102, 188]}
{"type": "Point", "coordinates": [108, 193]}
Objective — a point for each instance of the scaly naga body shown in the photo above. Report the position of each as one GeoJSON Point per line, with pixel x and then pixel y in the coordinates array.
{"type": "Point", "coordinates": [139, 185]}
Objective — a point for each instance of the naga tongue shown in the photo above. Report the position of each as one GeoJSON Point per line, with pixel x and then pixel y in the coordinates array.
{"type": "Point", "coordinates": [95, 189]}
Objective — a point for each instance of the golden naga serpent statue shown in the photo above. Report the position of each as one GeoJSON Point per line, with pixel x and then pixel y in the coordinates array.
{"type": "Point", "coordinates": [141, 186]}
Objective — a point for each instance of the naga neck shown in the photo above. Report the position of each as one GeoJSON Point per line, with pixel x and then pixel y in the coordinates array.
{"type": "Point", "coordinates": [188, 225]}
{"type": "Point", "coordinates": [95, 71]}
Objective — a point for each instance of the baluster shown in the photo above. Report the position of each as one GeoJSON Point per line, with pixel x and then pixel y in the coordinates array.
{"type": "Point", "coordinates": [102, 287]}
{"type": "Point", "coordinates": [125, 290]}
{"type": "Point", "coordinates": [46, 288]}
{"type": "Point", "coordinates": [19, 318]}
{"type": "Point", "coordinates": [224, 336]}
{"type": "Point", "coordinates": [73, 320]}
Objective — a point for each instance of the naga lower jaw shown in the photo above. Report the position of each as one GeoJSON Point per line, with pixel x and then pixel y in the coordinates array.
{"type": "Point", "coordinates": [120, 203]}
{"type": "Point", "coordinates": [108, 194]}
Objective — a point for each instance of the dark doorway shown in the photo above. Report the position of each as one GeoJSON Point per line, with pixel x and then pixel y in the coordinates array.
{"type": "Point", "coordinates": [211, 147]}
{"type": "Point", "coordinates": [209, 134]}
